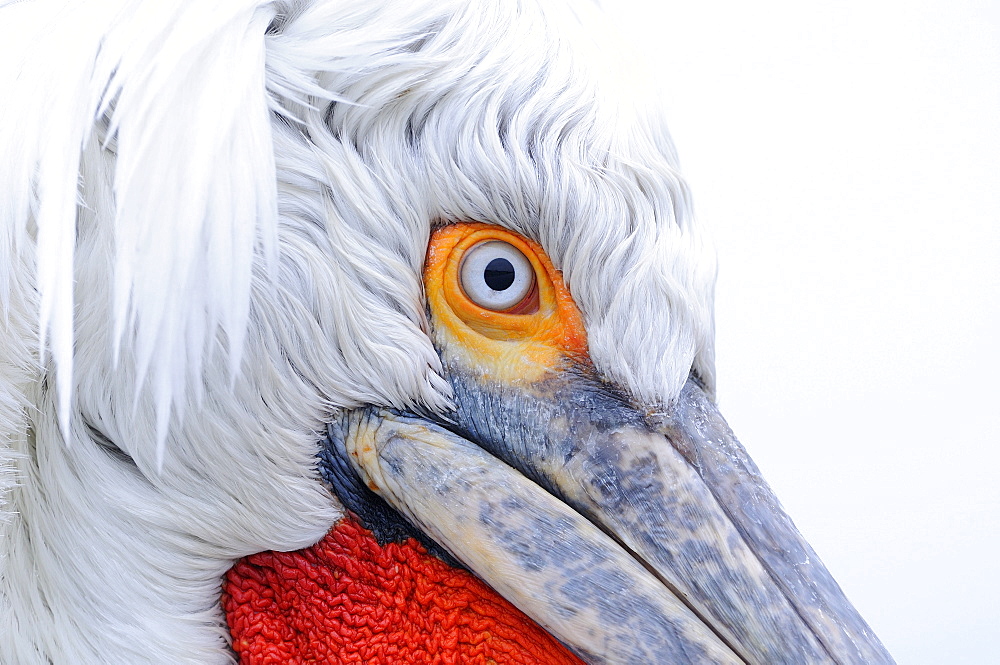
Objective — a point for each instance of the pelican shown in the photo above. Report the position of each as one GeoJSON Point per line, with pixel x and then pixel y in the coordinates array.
{"type": "Point", "coordinates": [367, 331]}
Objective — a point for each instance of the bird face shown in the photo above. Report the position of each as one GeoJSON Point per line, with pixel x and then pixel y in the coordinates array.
{"type": "Point", "coordinates": [422, 271]}
{"type": "Point", "coordinates": [630, 534]}
{"type": "Point", "coordinates": [556, 488]}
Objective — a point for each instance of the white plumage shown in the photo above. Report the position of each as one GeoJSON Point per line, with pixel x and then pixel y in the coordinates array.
{"type": "Point", "coordinates": [212, 232]}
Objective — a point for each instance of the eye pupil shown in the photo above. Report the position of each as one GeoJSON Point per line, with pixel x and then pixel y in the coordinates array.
{"type": "Point", "coordinates": [499, 274]}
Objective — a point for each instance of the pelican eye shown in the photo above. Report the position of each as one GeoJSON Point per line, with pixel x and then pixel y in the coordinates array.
{"type": "Point", "coordinates": [496, 275]}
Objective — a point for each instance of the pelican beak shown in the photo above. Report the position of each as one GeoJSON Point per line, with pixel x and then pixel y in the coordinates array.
{"type": "Point", "coordinates": [632, 536]}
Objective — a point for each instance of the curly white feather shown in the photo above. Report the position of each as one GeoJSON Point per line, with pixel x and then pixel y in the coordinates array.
{"type": "Point", "coordinates": [216, 216]}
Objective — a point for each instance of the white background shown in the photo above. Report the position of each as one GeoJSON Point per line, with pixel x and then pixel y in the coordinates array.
{"type": "Point", "coordinates": [846, 156]}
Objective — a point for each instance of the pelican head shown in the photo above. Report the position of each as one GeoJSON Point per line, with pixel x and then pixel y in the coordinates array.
{"type": "Point", "coordinates": [303, 296]}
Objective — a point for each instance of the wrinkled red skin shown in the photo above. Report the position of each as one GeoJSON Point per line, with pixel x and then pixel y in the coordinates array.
{"type": "Point", "coordinates": [349, 599]}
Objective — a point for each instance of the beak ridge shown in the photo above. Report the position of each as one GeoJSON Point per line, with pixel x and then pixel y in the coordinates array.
{"type": "Point", "coordinates": [630, 537]}
{"type": "Point", "coordinates": [545, 558]}
{"type": "Point", "coordinates": [699, 432]}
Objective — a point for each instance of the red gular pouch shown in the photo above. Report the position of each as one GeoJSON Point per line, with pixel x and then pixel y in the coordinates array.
{"type": "Point", "coordinates": [351, 599]}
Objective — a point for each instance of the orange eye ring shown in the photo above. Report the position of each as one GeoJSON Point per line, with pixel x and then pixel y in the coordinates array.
{"type": "Point", "coordinates": [540, 330]}
{"type": "Point", "coordinates": [502, 324]}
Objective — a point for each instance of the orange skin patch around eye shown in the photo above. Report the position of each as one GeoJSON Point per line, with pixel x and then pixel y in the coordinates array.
{"type": "Point", "coordinates": [349, 599]}
{"type": "Point", "coordinates": [524, 343]}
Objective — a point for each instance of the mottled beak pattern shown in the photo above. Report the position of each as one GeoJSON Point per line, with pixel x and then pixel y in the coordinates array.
{"type": "Point", "coordinates": [631, 535]}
